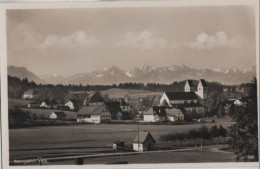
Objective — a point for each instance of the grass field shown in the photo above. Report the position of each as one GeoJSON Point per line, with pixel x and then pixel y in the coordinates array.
{"type": "Point", "coordinates": [54, 141]}
{"type": "Point", "coordinates": [196, 156]}
{"type": "Point", "coordinates": [120, 93]}
{"type": "Point", "coordinates": [17, 102]}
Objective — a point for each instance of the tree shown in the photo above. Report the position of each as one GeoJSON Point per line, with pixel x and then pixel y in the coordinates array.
{"type": "Point", "coordinates": [17, 117]}
{"type": "Point", "coordinates": [214, 132]}
{"type": "Point", "coordinates": [244, 133]}
{"type": "Point", "coordinates": [204, 133]}
{"type": "Point", "coordinates": [194, 134]}
{"type": "Point", "coordinates": [180, 137]}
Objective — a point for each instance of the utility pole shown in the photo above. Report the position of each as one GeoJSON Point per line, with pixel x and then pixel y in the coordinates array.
{"type": "Point", "coordinates": [138, 116]}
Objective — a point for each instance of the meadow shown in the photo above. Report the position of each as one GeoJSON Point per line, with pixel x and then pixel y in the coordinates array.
{"type": "Point", "coordinates": [52, 141]}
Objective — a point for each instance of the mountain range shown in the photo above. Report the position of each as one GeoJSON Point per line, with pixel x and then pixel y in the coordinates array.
{"type": "Point", "coordinates": [143, 74]}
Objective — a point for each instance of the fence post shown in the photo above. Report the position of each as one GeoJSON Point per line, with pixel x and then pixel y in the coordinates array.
{"type": "Point", "coordinates": [79, 161]}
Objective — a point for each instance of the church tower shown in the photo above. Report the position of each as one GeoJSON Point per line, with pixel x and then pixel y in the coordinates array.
{"type": "Point", "coordinates": [202, 89]}
{"type": "Point", "coordinates": [189, 86]}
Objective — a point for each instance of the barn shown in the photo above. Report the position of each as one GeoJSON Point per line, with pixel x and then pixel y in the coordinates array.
{"type": "Point", "coordinates": [143, 142]}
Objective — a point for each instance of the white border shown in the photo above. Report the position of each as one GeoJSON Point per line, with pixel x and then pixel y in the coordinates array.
{"type": "Point", "coordinates": [114, 4]}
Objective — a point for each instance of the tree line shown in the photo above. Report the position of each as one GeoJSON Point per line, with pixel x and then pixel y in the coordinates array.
{"type": "Point", "coordinates": [16, 87]}
{"type": "Point", "coordinates": [203, 133]}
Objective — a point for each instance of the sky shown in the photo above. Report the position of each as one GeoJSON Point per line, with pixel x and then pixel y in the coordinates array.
{"type": "Point", "coordinates": [69, 41]}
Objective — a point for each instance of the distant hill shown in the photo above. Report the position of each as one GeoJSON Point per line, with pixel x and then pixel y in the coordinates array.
{"type": "Point", "coordinates": [22, 73]}
{"type": "Point", "coordinates": [144, 74]}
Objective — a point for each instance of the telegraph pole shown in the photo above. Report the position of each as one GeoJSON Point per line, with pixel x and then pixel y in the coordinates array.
{"type": "Point", "coordinates": [138, 130]}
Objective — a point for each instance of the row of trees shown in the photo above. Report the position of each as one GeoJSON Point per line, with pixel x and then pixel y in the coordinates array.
{"type": "Point", "coordinates": [203, 133]}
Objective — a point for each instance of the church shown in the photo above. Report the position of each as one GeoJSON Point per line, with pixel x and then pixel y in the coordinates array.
{"type": "Point", "coordinates": [189, 100]}
{"type": "Point", "coordinates": [185, 102]}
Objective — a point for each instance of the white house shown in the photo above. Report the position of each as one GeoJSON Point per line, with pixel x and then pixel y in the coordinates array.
{"type": "Point", "coordinates": [238, 102]}
{"type": "Point", "coordinates": [154, 114]}
{"type": "Point", "coordinates": [45, 104]}
{"type": "Point", "coordinates": [149, 115]}
{"type": "Point", "coordinates": [174, 114]}
{"type": "Point", "coordinates": [94, 114]}
{"type": "Point", "coordinates": [57, 116]}
{"type": "Point", "coordinates": [29, 94]}
{"type": "Point", "coordinates": [143, 141]}
{"type": "Point", "coordinates": [70, 104]}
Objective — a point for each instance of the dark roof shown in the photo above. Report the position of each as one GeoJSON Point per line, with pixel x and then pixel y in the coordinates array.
{"type": "Point", "coordinates": [119, 141]}
{"type": "Point", "coordinates": [190, 83]}
{"type": "Point", "coordinates": [157, 110]}
{"type": "Point", "coordinates": [181, 95]}
{"type": "Point", "coordinates": [203, 82]}
{"type": "Point", "coordinates": [113, 107]}
{"type": "Point", "coordinates": [91, 110]}
{"type": "Point", "coordinates": [96, 97]}
{"type": "Point", "coordinates": [60, 114]}
{"type": "Point", "coordinates": [187, 105]}
{"type": "Point", "coordinates": [142, 137]}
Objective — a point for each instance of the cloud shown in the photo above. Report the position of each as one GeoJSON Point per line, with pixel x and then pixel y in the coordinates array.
{"type": "Point", "coordinates": [78, 39]}
{"type": "Point", "coordinates": [23, 36]}
{"type": "Point", "coordinates": [143, 40]}
{"type": "Point", "coordinates": [219, 40]}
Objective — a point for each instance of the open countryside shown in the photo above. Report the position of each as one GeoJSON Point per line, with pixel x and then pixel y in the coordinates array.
{"type": "Point", "coordinates": [56, 141]}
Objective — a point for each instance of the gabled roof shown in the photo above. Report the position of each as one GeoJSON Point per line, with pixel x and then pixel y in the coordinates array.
{"type": "Point", "coordinates": [181, 95]}
{"type": "Point", "coordinates": [173, 112]}
{"type": "Point", "coordinates": [149, 112]}
{"type": "Point", "coordinates": [190, 83]}
{"type": "Point", "coordinates": [142, 137]}
{"type": "Point", "coordinates": [91, 110]}
{"type": "Point", "coordinates": [96, 97]}
{"type": "Point", "coordinates": [163, 104]}
{"type": "Point", "coordinates": [203, 82]}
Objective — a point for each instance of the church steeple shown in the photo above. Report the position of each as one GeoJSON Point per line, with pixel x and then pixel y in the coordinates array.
{"type": "Point", "coordinates": [189, 86]}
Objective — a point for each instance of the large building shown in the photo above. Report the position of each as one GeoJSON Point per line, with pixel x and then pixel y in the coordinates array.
{"type": "Point", "coordinates": [174, 105]}
{"type": "Point", "coordinates": [94, 114]}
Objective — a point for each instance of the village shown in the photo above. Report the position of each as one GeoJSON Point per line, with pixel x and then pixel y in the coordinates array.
{"type": "Point", "coordinates": [165, 107]}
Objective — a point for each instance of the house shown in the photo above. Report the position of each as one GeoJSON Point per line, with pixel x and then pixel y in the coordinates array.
{"type": "Point", "coordinates": [45, 104]}
{"type": "Point", "coordinates": [125, 107]}
{"type": "Point", "coordinates": [57, 115]}
{"type": "Point", "coordinates": [72, 104]}
{"type": "Point", "coordinates": [174, 114]}
{"type": "Point", "coordinates": [94, 114]}
{"type": "Point", "coordinates": [118, 144]}
{"type": "Point", "coordinates": [155, 114]}
{"type": "Point", "coordinates": [30, 94]}
{"type": "Point", "coordinates": [239, 102]}
{"type": "Point", "coordinates": [143, 141]}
